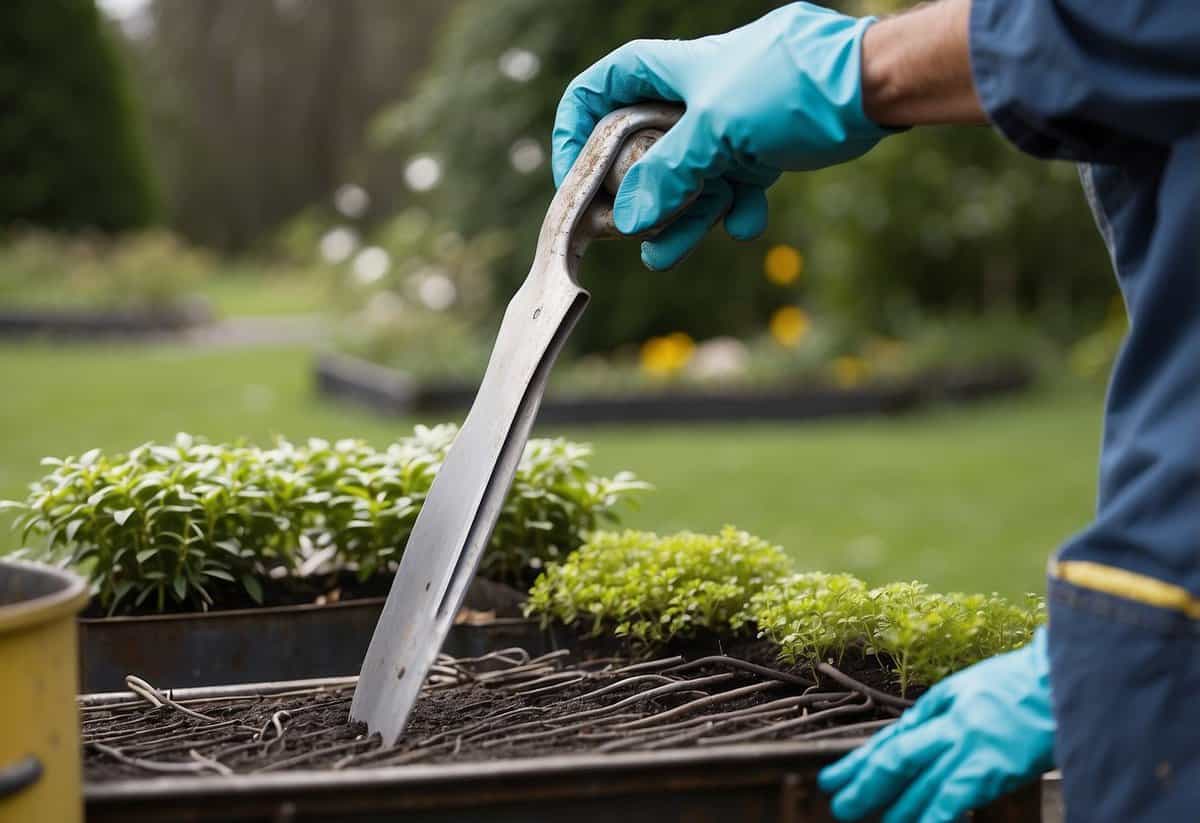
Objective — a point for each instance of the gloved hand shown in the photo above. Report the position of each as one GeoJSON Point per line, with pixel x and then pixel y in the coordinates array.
{"type": "Point", "coordinates": [782, 93]}
{"type": "Point", "coordinates": [968, 740]}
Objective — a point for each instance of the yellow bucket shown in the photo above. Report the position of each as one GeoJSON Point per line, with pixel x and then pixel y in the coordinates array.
{"type": "Point", "coordinates": [39, 720]}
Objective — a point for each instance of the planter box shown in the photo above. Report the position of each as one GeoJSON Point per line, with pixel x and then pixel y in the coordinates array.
{"type": "Point", "coordinates": [741, 782]}
{"type": "Point", "coordinates": [90, 324]}
{"type": "Point", "coordinates": [268, 644]}
{"type": "Point", "coordinates": [393, 392]}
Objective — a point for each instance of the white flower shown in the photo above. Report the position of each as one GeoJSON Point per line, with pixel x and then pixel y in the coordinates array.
{"type": "Point", "coordinates": [526, 155]}
{"type": "Point", "coordinates": [371, 264]}
{"type": "Point", "coordinates": [351, 200]}
{"type": "Point", "coordinates": [520, 65]}
{"type": "Point", "coordinates": [437, 292]}
{"type": "Point", "coordinates": [719, 357]}
{"type": "Point", "coordinates": [338, 244]}
{"type": "Point", "coordinates": [423, 172]}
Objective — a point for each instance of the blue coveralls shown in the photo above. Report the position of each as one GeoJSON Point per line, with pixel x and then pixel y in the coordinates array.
{"type": "Point", "coordinates": [1115, 85]}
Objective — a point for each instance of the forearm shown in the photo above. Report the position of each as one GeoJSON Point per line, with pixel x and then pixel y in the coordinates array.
{"type": "Point", "coordinates": [916, 67]}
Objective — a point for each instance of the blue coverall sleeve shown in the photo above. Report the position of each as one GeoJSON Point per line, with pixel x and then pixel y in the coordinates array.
{"type": "Point", "coordinates": [1116, 84]}
{"type": "Point", "coordinates": [1086, 80]}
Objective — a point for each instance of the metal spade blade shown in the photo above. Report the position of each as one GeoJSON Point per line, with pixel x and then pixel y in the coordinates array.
{"type": "Point", "coordinates": [464, 502]}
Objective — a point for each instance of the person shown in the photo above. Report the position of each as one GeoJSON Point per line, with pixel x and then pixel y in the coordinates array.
{"type": "Point", "coordinates": [1108, 691]}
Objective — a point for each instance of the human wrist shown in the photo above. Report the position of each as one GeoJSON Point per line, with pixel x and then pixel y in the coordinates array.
{"type": "Point", "coordinates": [915, 68]}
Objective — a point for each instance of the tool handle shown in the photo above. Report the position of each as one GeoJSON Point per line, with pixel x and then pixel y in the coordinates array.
{"type": "Point", "coordinates": [600, 215]}
{"type": "Point", "coordinates": [631, 151]}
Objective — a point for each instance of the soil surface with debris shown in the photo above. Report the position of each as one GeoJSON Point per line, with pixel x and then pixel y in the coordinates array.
{"type": "Point", "coordinates": [500, 706]}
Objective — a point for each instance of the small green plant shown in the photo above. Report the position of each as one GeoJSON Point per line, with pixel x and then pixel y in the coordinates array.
{"type": "Point", "coordinates": [922, 636]}
{"type": "Point", "coordinates": [810, 616]}
{"type": "Point", "coordinates": [169, 524]}
{"type": "Point", "coordinates": [651, 588]}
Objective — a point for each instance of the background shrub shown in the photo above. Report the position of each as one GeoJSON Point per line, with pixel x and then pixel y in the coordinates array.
{"type": "Point", "coordinates": [148, 269]}
{"type": "Point", "coordinates": [166, 523]}
{"type": "Point", "coordinates": [70, 153]}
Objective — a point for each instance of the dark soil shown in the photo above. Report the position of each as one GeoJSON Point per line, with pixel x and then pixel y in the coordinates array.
{"type": "Point", "coordinates": [866, 669]}
{"type": "Point", "coordinates": [485, 709]}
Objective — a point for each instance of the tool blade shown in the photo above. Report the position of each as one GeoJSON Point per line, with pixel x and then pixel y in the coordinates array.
{"type": "Point", "coordinates": [464, 502]}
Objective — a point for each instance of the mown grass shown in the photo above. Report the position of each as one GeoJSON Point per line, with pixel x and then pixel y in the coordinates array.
{"type": "Point", "coordinates": [968, 499]}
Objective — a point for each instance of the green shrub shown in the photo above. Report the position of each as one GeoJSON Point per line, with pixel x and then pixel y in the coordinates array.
{"type": "Point", "coordinates": [150, 269]}
{"type": "Point", "coordinates": [166, 523]}
{"type": "Point", "coordinates": [651, 588]}
{"type": "Point", "coordinates": [922, 635]}
{"type": "Point", "coordinates": [70, 154]}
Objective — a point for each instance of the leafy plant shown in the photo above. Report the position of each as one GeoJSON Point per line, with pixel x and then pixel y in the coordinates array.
{"type": "Point", "coordinates": [810, 616]}
{"type": "Point", "coordinates": [651, 588]}
{"type": "Point", "coordinates": [922, 636]}
{"type": "Point", "coordinates": [171, 524]}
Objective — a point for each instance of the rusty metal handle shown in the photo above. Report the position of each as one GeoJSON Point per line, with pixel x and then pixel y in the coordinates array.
{"type": "Point", "coordinates": [600, 215]}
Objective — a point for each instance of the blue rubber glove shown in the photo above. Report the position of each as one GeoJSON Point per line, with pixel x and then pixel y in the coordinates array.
{"type": "Point", "coordinates": [782, 93]}
{"type": "Point", "coordinates": [968, 740]}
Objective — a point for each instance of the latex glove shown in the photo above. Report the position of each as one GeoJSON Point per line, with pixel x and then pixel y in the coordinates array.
{"type": "Point", "coordinates": [968, 740]}
{"type": "Point", "coordinates": [782, 93]}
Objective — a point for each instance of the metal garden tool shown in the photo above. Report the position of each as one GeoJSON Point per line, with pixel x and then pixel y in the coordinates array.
{"type": "Point", "coordinates": [464, 502]}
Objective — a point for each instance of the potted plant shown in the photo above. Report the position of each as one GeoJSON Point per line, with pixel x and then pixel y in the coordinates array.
{"type": "Point", "coordinates": [234, 563]}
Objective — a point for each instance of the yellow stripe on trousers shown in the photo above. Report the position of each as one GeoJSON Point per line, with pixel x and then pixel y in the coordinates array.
{"type": "Point", "coordinates": [1129, 585]}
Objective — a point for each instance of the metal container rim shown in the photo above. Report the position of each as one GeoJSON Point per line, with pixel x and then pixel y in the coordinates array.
{"type": "Point", "coordinates": [443, 773]}
{"type": "Point", "coordinates": [68, 598]}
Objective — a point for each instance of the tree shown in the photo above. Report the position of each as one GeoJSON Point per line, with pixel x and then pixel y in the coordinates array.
{"type": "Point", "coordinates": [70, 153]}
{"type": "Point", "coordinates": [975, 226]}
{"type": "Point", "coordinates": [259, 107]}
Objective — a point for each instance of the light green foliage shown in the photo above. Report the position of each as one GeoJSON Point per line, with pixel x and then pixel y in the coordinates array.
{"type": "Point", "coordinates": [651, 588]}
{"type": "Point", "coordinates": [924, 636]}
{"type": "Point", "coordinates": [811, 616]}
{"type": "Point", "coordinates": [147, 269]}
{"type": "Point", "coordinates": [165, 521]}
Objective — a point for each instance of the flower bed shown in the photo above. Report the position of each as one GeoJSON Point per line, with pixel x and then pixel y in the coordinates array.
{"type": "Point", "coordinates": [89, 286]}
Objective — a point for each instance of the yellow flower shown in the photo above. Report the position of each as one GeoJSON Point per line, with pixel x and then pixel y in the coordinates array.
{"type": "Point", "coordinates": [789, 325]}
{"type": "Point", "coordinates": [848, 371]}
{"type": "Point", "coordinates": [783, 265]}
{"type": "Point", "coordinates": [663, 356]}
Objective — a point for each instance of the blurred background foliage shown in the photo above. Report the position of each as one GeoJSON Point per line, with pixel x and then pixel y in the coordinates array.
{"type": "Point", "coordinates": [385, 163]}
{"type": "Point", "coordinates": [929, 222]}
{"type": "Point", "coordinates": [71, 153]}
{"type": "Point", "coordinates": [398, 145]}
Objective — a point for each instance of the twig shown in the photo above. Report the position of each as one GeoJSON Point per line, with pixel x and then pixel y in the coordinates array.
{"type": "Point", "coordinates": [154, 766]}
{"type": "Point", "coordinates": [862, 688]}
{"type": "Point", "coordinates": [156, 698]}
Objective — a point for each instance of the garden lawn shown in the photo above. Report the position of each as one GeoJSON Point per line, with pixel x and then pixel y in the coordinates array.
{"type": "Point", "coordinates": [969, 499]}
